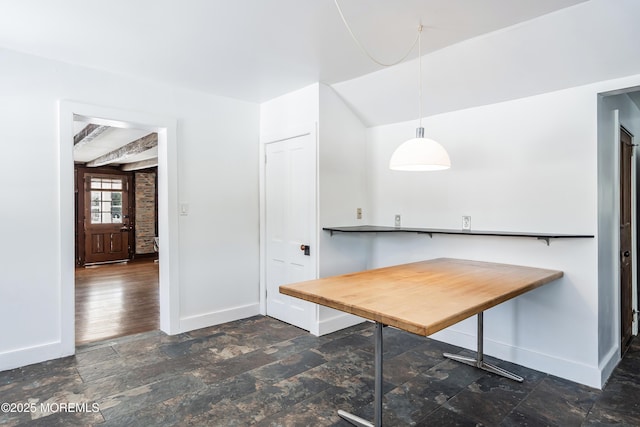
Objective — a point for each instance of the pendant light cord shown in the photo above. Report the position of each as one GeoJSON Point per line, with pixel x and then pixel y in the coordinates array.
{"type": "Point", "coordinates": [362, 48]}
{"type": "Point", "coordinates": [420, 74]}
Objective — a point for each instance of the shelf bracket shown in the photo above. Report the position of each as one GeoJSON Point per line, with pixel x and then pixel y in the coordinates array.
{"type": "Point", "coordinates": [546, 239]}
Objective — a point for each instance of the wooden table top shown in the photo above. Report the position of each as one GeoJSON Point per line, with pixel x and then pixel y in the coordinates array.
{"type": "Point", "coordinates": [423, 297]}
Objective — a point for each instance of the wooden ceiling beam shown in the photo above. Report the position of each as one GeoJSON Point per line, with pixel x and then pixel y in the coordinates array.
{"type": "Point", "coordinates": [117, 156]}
{"type": "Point", "coordinates": [88, 134]}
{"type": "Point", "coordinates": [142, 164]}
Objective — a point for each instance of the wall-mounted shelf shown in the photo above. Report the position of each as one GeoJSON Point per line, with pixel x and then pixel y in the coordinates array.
{"type": "Point", "coordinates": [431, 231]}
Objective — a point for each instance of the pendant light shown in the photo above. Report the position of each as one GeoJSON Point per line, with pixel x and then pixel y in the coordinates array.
{"type": "Point", "coordinates": [420, 153]}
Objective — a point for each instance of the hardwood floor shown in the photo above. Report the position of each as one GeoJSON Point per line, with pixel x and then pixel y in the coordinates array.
{"type": "Point", "coordinates": [115, 300]}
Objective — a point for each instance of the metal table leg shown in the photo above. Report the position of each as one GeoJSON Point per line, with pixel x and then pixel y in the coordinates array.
{"type": "Point", "coordinates": [377, 398]}
{"type": "Point", "coordinates": [478, 362]}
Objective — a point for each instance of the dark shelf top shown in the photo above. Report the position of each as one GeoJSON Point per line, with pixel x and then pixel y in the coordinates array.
{"type": "Point", "coordinates": [431, 231]}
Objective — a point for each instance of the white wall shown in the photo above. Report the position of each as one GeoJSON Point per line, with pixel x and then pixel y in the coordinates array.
{"type": "Point", "coordinates": [286, 114]}
{"type": "Point", "coordinates": [343, 187]}
{"type": "Point", "coordinates": [523, 165]}
{"type": "Point", "coordinates": [343, 159]}
{"type": "Point", "coordinates": [219, 239]}
{"type": "Point", "coordinates": [217, 143]}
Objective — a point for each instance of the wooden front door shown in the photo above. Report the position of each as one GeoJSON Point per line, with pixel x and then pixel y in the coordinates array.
{"type": "Point", "coordinates": [626, 296]}
{"type": "Point", "coordinates": [107, 225]}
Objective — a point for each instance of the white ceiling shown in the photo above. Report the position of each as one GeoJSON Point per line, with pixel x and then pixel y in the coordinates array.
{"type": "Point", "coordinates": [255, 50]}
{"type": "Point", "coordinates": [247, 49]}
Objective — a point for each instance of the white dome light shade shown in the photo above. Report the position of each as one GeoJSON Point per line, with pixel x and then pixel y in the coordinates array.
{"type": "Point", "coordinates": [420, 154]}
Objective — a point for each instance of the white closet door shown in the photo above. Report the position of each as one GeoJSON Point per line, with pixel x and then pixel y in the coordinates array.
{"type": "Point", "coordinates": [290, 226]}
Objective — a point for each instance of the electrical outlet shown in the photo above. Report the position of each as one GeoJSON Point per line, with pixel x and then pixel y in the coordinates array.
{"type": "Point", "coordinates": [359, 213]}
{"type": "Point", "coordinates": [466, 222]}
{"type": "Point", "coordinates": [398, 220]}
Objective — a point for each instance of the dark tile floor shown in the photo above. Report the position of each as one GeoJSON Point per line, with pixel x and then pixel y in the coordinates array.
{"type": "Point", "coordinates": [261, 371]}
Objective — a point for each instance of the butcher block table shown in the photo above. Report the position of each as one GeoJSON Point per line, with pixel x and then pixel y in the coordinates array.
{"type": "Point", "coordinates": [423, 298]}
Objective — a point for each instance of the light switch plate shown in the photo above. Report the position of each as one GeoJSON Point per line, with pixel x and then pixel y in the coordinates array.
{"type": "Point", "coordinates": [184, 209]}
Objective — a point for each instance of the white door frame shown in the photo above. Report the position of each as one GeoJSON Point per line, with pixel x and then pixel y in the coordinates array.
{"type": "Point", "coordinates": [306, 129]}
{"type": "Point", "coordinates": [167, 209]}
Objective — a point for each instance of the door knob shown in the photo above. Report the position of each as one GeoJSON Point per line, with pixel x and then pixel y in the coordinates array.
{"type": "Point", "coordinates": [626, 253]}
{"type": "Point", "coordinates": [306, 249]}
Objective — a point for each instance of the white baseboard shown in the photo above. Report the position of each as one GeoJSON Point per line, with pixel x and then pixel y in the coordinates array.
{"type": "Point", "coordinates": [217, 317]}
{"type": "Point", "coordinates": [338, 322]}
{"type": "Point", "coordinates": [36, 354]}
{"type": "Point", "coordinates": [563, 368]}
{"type": "Point", "coordinates": [608, 364]}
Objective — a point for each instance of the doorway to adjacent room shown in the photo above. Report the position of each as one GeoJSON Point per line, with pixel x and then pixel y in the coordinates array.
{"type": "Point", "coordinates": [156, 130]}
{"type": "Point", "coordinates": [626, 247]}
{"type": "Point", "coordinates": [116, 277]}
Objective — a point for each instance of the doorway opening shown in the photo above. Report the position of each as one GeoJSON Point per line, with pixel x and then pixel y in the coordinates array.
{"type": "Point", "coordinates": [115, 172]}
{"type": "Point", "coordinates": [106, 210]}
{"type": "Point", "coordinates": [626, 247]}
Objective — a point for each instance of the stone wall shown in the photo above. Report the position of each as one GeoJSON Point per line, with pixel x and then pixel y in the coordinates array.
{"type": "Point", "coordinates": [145, 191]}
